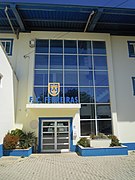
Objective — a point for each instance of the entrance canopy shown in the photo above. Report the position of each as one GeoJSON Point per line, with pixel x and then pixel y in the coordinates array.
{"type": "Point", "coordinates": [116, 17]}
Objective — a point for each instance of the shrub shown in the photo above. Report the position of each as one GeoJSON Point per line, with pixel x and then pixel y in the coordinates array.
{"type": "Point", "coordinates": [19, 139]}
{"type": "Point", "coordinates": [84, 142]}
{"type": "Point", "coordinates": [114, 141]}
{"type": "Point", "coordinates": [10, 141]}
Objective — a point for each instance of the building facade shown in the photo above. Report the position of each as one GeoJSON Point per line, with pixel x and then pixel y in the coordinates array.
{"type": "Point", "coordinates": [67, 85]}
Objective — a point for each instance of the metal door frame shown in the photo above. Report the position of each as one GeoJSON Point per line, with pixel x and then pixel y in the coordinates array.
{"type": "Point", "coordinates": [55, 134]}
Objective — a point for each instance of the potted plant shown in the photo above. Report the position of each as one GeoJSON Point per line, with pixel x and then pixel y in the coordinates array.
{"type": "Point", "coordinates": [18, 143]}
{"type": "Point", "coordinates": [99, 140]}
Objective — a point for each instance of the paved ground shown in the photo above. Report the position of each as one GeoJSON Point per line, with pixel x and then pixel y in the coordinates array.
{"type": "Point", "coordinates": [67, 166]}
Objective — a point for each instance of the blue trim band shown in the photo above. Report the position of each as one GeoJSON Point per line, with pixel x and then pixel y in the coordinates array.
{"type": "Point", "coordinates": [72, 147]}
{"type": "Point", "coordinates": [130, 146]}
{"type": "Point", "coordinates": [1, 150]}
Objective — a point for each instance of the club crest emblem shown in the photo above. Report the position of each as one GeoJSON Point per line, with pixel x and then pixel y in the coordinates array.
{"type": "Point", "coordinates": [54, 89]}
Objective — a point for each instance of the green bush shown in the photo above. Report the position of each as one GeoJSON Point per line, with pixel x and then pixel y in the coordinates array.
{"type": "Point", "coordinates": [84, 142]}
{"type": "Point", "coordinates": [19, 139]}
{"type": "Point", "coordinates": [99, 136]}
{"type": "Point", "coordinates": [114, 141]}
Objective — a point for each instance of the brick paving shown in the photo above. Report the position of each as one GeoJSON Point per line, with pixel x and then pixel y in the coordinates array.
{"type": "Point", "coordinates": [67, 166]}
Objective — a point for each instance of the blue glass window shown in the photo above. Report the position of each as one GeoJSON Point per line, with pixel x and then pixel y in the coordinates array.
{"type": "Point", "coordinates": [101, 78]}
{"type": "Point", "coordinates": [87, 111]}
{"type": "Point", "coordinates": [100, 63]}
{"type": "Point", "coordinates": [133, 81]}
{"type": "Point", "coordinates": [70, 47]}
{"type": "Point", "coordinates": [103, 111]}
{"type": "Point", "coordinates": [86, 78]}
{"type": "Point", "coordinates": [56, 62]}
{"type": "Point", "coordinates": [99, 47]}
{"type": "Point", "coordinates": [70, 62]}
{"type": "Point", "coordinates": [131, 48]}
{"type": "Point", "coordinates": [41, 61]}
{"type": "Point", "coordinates": [102, 95]}
{"type": "Point", "coordinates": [41, 78]}
{"type": "Point", "coordinates": [86, 95]}
{"type": "Point", "coordinates": [39, 94]}
{"type": "Point", "coordinates": [71, 78]}
{"type": "Point", "coordinates": [56, 76]}
{"type": "Point", "coordinates": [71, 92]}
{"type": "Point", "coordinates": [84, 47]}
{"type": "Point", "coordinates": [42, 46]}
{"type": "Point", "coordinates": [104, 126]}
{"type": "Point", "coordinates": [87, 128]}
{"type": "Point", "coordinates": [56, 46]}
{"type": "Point", "coordinates": [7, 45]}
{"type": "Point", "coordinates": [85, 62]}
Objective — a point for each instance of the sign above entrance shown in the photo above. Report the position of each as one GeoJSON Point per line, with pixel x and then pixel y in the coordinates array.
{"type": "Point", "coordinates": [53, 96]}
{"type": "Point", "coordinates": [54, 89]}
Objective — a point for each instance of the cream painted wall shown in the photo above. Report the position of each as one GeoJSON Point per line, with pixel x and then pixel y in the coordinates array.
{"type": "Point", "coordinates": [7, 103]}
{"type": "Point", "coordinates": [124, 69]}
{"type": "Point", "coordinates": [23, 63]}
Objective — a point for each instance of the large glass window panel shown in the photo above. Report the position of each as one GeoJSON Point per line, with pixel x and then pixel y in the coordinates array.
{"type": "Point", "coordinates": [87, 111]}
{"type": "Point", "coordinates": [100, 63]}
{"type": "Point", "coordinates": [56, 62]}
{"type": "Point", "coordinates": [102, 95]}
{"type": "Point", "coordinates": [70, 47]}
{"type": "Point", "coordinates": [85, 62]}
{"type": "Point", "coordinates": [56, 46]}
{"type": "Point", "coordinates": [103, 111]}
{"type": "Point", "coordinates": [99, 47]}
{"type": "Point", "coordinates": [71, 92]}
{"type": "Point", "coordinates": [101, 78]}
{"type": "Point", "coordinates": [8, 47]}
{"type": "Point", "coordinates": [39, 94]}
{"type": "Point", "coordinates": [41, 61]}
{"type": "Point", "coordinates": [86, 95]}
{"type": "Point", "coordinates": [104, 126]}
{"type": "Point", "coordinates": [42, 46]}
{"type": "Point", "coordinates": [87, 128]}
{"type": "Point", "coordinates": [56, 76]}
{"type": "Point", "coordinates": [70, 62]}
{"type": "Point", "coordinates": [86, 78]}
{"type": "Point", "coordinates": [41, 78]}
{"type": "Point", "coordinates": [71, 78]}
{"type": "Point", "coordinates": [84, 47]}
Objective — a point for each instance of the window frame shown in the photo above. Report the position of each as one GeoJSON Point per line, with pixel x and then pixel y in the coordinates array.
{"type": "Point", "coordinates": [6, 40]}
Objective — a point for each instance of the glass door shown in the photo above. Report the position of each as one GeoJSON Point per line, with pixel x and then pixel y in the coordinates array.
{"type": "Point", "coordinates": [55, 136]}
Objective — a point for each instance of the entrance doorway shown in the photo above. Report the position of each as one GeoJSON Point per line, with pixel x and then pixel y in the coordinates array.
{"type": "Point", "coordinates": [55, 136]}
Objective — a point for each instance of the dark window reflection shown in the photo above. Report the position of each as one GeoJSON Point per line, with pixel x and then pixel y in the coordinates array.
{"type": "Point", "coordinates": [41, 77]}
{"type": "Point", "coordinates": [56, 62]}
{"type": "Point", "coordinates": [85, 62]}
{"type": "Point", "coordinates": [41, 62]}
{"type": "Point", "coordinates": [103, 111]}
{"type": "Point", "coordinates": [42, 46]}
{"type": "Point", "coordinates": [70, 62]}
{"type": "Point", "coordinates": [56, 46]}
{"type": "Point", "coordinates": [87, 128]}
{"type": "Point", "coordinates": [8, 47]}
{"type": "Point", "coordinates": [71, 78]}
{"type": "Point", "coordinates": [87, 111]}
{"type": "Point", "coordinates": [100, 63]}
{"type": "Point", "coordinates": [70, 47]}
{"type": "Point", "coordinates": [102, 95]}
{"type": "Point", "coordinates": [86, 95]}
{"type": "Point", "coordinates": [86, 78]}
{"type": "Point", "coordinates": [71, 92]}
{"type": "Point", "coordinates": [84, 47]}
{"type": "Point", "coordinates": [104, 126]}
{"type": "Point", "coordinates": [99, 47]}
{"type": "Point", "coordinates": [56, 76]}
{"type": "Point", "coordinates": [101, 78]}
{"type": "Point", "coordinates": [40, 93]}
